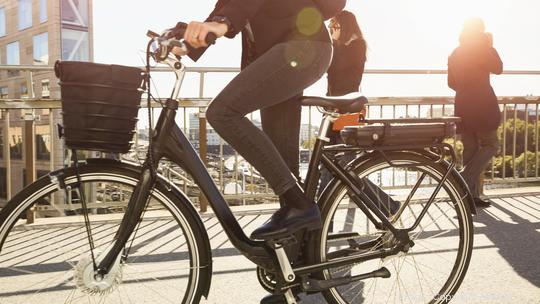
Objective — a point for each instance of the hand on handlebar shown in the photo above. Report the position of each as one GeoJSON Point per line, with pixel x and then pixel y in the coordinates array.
{"type": "Point", "coordinates": [179, 52]}
{"type": "Point", "coordinates": [196, 32]}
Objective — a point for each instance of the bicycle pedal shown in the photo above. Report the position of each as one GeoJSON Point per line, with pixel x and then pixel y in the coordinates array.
{"type": "Point", "coordinates": [283, 242]}
{"type": "Point", "coordinates": [315, 285]}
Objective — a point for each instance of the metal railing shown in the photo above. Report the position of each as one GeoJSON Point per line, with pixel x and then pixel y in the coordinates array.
{"type": "Point", "coordinates": [517, 162]}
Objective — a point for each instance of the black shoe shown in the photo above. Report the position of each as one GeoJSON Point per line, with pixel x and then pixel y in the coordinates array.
{"type": "Point", "coordinates": [277, 299]}
{"type": "Point", "coordinates": [288, 220]}
{"type": "Point", "coordinates": [478, 202]}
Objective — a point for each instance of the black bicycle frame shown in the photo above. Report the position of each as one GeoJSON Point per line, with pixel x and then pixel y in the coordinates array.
{"type": "Point", "coordinates": [169, 142]}
{"type": "Point", "coordinates": [369, 208]}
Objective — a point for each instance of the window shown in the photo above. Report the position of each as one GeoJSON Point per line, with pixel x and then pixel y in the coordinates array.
{"type": "Point", "coordinates": [2, 22]}
{"type": "Point", "coordinates": [75, 45]}
{"type": "Point", "coordinates": [15, 142]}
{"type": "Point", "coordinates": [3, 92]}
{"type": "Point", "coordinates": [42, 11]}
{"type": "Point", "coordinates": [13, 57]}
{"type": "Point", "coordinates": [45, 89]}
{"type": "Point", "coordinates": [43, 142]}
{"type": "Point", "coordinates": [41, 49]}
{"type": "Point", "coordinates": [75, 30]}
{"type": "Point", "coordinates": [25, 14]}
{"type": "Point", "coordinates": [75, 12]}
{"type": "Point", "coordinates": [24, 90]}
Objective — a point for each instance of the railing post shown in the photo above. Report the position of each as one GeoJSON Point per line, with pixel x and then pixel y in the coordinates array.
{"type": "Point", "coordinates": [30, 86]}
{"type": "Point", "coordinates": [202, 140]}
{"type": "Point", "coordinates": [29, 156]}
{"type": "Point", "coordinates": [202, 152]}
{"type": "Point", "coordinates": [52, 152]}
{"type": "Point", "coordinates": [7, 154]}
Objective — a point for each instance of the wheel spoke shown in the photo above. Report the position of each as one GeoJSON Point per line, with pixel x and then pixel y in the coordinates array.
{"type": "Point", "coordinates": [158, 269]}
{"type": "Point", "coordinates": [420, 271]}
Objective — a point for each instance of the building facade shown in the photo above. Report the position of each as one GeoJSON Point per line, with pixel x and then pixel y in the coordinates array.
{"type": "Point", "coordinates": [36, 32]}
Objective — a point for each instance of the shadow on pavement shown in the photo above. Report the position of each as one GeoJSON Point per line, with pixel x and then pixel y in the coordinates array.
{"type": "Point", "coordinates": [518, 243]}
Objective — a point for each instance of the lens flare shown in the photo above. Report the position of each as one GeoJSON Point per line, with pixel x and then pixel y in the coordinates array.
{"type": "Point", "coordinates": [309, 21]}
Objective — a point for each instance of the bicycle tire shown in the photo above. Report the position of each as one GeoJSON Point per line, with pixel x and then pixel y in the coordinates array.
{"type": "Point", "coordinates": [169, 247]}
{"type": "Point", "coordinates": [457, 194]}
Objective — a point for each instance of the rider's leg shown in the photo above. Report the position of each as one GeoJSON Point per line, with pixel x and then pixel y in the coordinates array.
{"type": "Point", "coordinates": [281, 123]}
{"type": "Point", "coordinates": [277, 76]}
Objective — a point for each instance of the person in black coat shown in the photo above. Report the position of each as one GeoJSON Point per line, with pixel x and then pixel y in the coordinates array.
{"type": "Point", "coordinates": [285, 49]}
{"type": "Point", "coordinates": [469, 69]}
{"type": "Point", "coordinates": [344, 77]}
{"type": "Point", "coordinates": [344, 74]}
{"type": "Point", "coordinates": [350, 48]}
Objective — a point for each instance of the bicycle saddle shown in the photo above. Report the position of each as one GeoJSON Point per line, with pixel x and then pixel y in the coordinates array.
{"type": "Point", "coordinates": [343, 104]}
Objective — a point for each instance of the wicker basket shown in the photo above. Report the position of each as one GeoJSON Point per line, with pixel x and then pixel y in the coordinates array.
{"type": "Point", "coordinates": [99, 105]}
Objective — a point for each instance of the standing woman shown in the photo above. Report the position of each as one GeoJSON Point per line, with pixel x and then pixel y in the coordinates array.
{"type": "Point", "coordinates": [345, 72]}
{"type": "Point", "coordinates": [344, 77]}
{"type": "Point", "coordinates": [350, 47]}
{"type": "Point", "coordinates": [469, 69]}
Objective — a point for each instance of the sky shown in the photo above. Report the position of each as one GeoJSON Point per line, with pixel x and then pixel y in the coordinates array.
{"type": "Point", "coordinates": [401, 34]}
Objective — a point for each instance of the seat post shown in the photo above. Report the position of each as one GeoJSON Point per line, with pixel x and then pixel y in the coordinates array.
{"type": "Point", "coordinates": [312, 177]}
{"type": "Point", "coordinates": [327, 122]}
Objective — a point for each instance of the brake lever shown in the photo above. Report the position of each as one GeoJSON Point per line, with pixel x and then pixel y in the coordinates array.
{"type": "Point", "coordinates": [151, 34]}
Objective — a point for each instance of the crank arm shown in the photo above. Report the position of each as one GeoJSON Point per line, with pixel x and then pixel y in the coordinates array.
{"type": "Point", "coordinates": [313, 285]}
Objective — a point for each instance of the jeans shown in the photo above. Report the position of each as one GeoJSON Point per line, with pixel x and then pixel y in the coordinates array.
{"type": "Point", "coordinates": [278, 76]}
{"type": "Point", "coordinates": [478, 149]}
{"type": "Point", "coordinates": [281, 123]}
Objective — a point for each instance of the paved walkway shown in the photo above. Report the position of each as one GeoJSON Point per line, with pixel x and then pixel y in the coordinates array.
{"type": "Point", "coordinates": [505, 267]}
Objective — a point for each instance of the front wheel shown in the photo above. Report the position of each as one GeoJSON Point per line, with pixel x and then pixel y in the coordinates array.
{"type": "Point", "coordinates": [168, 257]}
{"type": "Point", "coordinates": [429, 272]}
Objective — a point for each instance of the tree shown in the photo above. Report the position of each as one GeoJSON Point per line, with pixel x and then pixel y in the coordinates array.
{"type": "Point", "coordinates": [499, 162]}
{"type": "Point", "coordinates": [506, 131]}
{"type": "Point", "coordinates": [529, 158]}
{"type": "Point", "coordinates": [309, 144]}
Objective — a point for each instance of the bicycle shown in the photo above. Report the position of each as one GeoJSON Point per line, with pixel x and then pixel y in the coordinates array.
{"type": "Point", "coordinates": [98, 257]}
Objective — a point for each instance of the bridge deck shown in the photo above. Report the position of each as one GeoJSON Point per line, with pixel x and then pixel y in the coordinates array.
{"type": "Point", "coordinates": [505, 267]}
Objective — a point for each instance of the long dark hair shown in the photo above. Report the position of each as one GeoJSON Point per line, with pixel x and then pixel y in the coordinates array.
{"type": "Point", "coordinates": [349, 28]}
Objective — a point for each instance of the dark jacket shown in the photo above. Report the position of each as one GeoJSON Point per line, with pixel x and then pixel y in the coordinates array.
{"type": "Point", "coordinates": [469, 69]}
{"type": "Point", "coordinates": [347, 67]}
{"type": "Point", "coordinates": [345, 75]}
{"type": "Point", "coordinates": [271, 22]}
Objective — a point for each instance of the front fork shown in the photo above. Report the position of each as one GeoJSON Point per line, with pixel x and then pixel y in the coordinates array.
{"type": "Point", "coordinates": [143, 189]}
{"type": "Point", "coordinates": [136, 205]}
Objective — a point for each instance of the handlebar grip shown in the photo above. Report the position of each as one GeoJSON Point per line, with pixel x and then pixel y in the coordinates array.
{"type": "Point", "coordinates": [210, 38]}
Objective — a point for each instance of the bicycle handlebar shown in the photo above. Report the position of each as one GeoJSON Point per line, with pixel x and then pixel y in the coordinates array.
{"type": "Point", "coordinates": [170, 40]}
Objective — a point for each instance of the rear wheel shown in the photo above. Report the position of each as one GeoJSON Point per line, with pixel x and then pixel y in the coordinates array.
{"type": "Point", "coordinates": [50, 261]}
{"type": "Point", "coordinates": [433, 269]}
